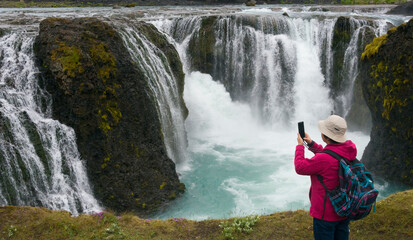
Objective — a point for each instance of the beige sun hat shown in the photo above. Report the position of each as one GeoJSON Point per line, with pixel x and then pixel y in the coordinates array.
{"type": "Point", "coordinates": [334, 127]}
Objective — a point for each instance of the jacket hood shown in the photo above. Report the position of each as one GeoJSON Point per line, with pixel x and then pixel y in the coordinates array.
{"type": "Point", "coordinates": [346, 149]}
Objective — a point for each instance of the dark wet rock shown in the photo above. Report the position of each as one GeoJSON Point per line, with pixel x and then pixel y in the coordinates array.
{"type": "Point", "coordinates": [387, 80]}
{"type": "Point", "coordinates": [2, 32]}
{"type": "Point", "coordinates": [99, 91]}
{"type": "Point", "coordinates": [250, 3]}
{"type": "Point", "coordinates": [202, 46]}
{"type": "Point", "coordinates": [341, 39]}
{"type": "Point", "coordinates": [403, 9]}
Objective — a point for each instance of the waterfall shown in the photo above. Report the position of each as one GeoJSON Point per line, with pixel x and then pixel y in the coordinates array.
{"type": "Point", "coordinates": [179, 32]}
{"type": "Point", "coordinates": [163, 84]}
{"type": "Point", "coordinates": [360, 29]}
{"type": "Point", "coordinates": [351, 61]}
{"type": "Point", "coordinates": [258, 59]}
{"type": "Point", "coordinates": [276, 63]}
{"type": "Point", "coordinates": [39, 161]}
{"type": "Point", "coordinates": [263, 72]}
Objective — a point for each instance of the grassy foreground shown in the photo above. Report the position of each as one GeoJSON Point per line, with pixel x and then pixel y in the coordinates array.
{"type": "Point", "coordinates": [393, 219]}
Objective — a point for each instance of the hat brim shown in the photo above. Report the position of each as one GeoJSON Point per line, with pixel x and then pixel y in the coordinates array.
{"type": "Point", "coordinates": [328, 133]}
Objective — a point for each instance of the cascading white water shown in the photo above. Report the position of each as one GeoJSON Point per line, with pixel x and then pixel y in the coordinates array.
{"type": "Point", "coordinates": [39, 161]}
{"type": "Point", "coordinates": [180, 32]}
{"type": "Point", "coordinates": [312, 98]}
{"type": "Point", "coordinates": [163, 84]}
{"type": "Point", "coordinates": [351, 62]}
{"type": "Point", "coordinates": [257, 60]}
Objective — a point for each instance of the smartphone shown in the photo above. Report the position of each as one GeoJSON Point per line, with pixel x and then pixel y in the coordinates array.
{"type": "Point", "coordinates": [301, 129]}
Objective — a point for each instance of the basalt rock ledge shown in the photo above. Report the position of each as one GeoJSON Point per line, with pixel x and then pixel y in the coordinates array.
{"type": "Point", "coordinates": [387, 80]}
{"type": "Point", "coordinates": [100, 92]}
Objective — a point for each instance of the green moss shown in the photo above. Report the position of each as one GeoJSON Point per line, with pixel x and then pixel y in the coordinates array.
{"type": "Point", "coordinates": [382, 68]}
{"type": "Point", "coordinates": [105, 162]}
{"type": "Point", "coordinates": [388, 92]}
{"type": "Point", "coordinates": [109, 112]}
{"type": "Point", "coordinates": [69, 57]}
{"type": "Point", "coordinates": [113, 109]}
{"type": "Point", "coordinates": [102, 56]}
{"type": "Point", "coordinates": [391, 100]}
{"type": "Point", "coordinates": [373, 48]}
{"type": "Point", "coordinates": [104, 165]}
{"type": "Point", "coordinates": [103, 124]}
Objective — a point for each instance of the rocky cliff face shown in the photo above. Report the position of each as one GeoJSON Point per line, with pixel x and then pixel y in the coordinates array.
{"type": "Point", "coordinates": [204, 42]}
{"type": "Point", "coordinates": [387, 80]}
{"type": "Point", "coordinates": [341, 39]}
{"type": "Point", "coordinates": [358, 116]}
{"type": "Point", "coordinates": [98, 90]}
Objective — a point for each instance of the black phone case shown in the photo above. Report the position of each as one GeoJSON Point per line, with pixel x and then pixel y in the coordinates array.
{"type": "Point", "coordinates": [301, 129]}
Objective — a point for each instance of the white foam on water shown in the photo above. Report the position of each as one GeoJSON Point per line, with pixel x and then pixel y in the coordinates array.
{"type": "Point", "coordinates": [257, 10]}
{"type": "Point", "coordinates": [236, 159]}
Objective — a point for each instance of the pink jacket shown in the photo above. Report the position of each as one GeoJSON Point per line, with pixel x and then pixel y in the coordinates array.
{"type": "Point", "coordinates": [326, 166]}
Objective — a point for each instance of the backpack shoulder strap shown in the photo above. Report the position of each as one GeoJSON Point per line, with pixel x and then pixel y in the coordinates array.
{"type": "Point", "coordinates": [320, 178]}
{"type": "Point", "coordinates": [335, 155]}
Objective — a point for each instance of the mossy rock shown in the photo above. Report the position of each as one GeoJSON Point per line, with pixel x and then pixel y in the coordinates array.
{"type": "Point", "coordinates": [387, 81]}
{"type": "Point", "coordinates": [202, 45]}
{"type": "Point", "coordinates": [341, 38]}
{"type": "Point", "coordinates": [93, 81]}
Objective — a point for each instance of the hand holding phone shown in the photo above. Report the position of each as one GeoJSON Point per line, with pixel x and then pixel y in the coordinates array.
{"type": "Point", "coordinates": [301, 129]}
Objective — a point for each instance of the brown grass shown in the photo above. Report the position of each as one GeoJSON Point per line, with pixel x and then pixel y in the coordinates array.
{"type": "Point", "coordinates": [393, 219]}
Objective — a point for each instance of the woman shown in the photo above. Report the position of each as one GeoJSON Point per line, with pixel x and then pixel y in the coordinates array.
{"type": "Point", "coordinates": [326, 223]}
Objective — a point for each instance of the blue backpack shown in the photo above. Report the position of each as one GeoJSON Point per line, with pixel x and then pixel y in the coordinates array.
{"type": "Point", "coordinates": [355, 196]}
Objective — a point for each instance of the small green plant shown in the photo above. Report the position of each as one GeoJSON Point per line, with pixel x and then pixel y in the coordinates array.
{"type": "Point", "coordinates": [239, 224]}
{"type": "Point", "coordinates": [114, 232]}
{"type": "Point", "coordinates": [11, 231]}
{"type": "Point", "coordinates": [152, 234]}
